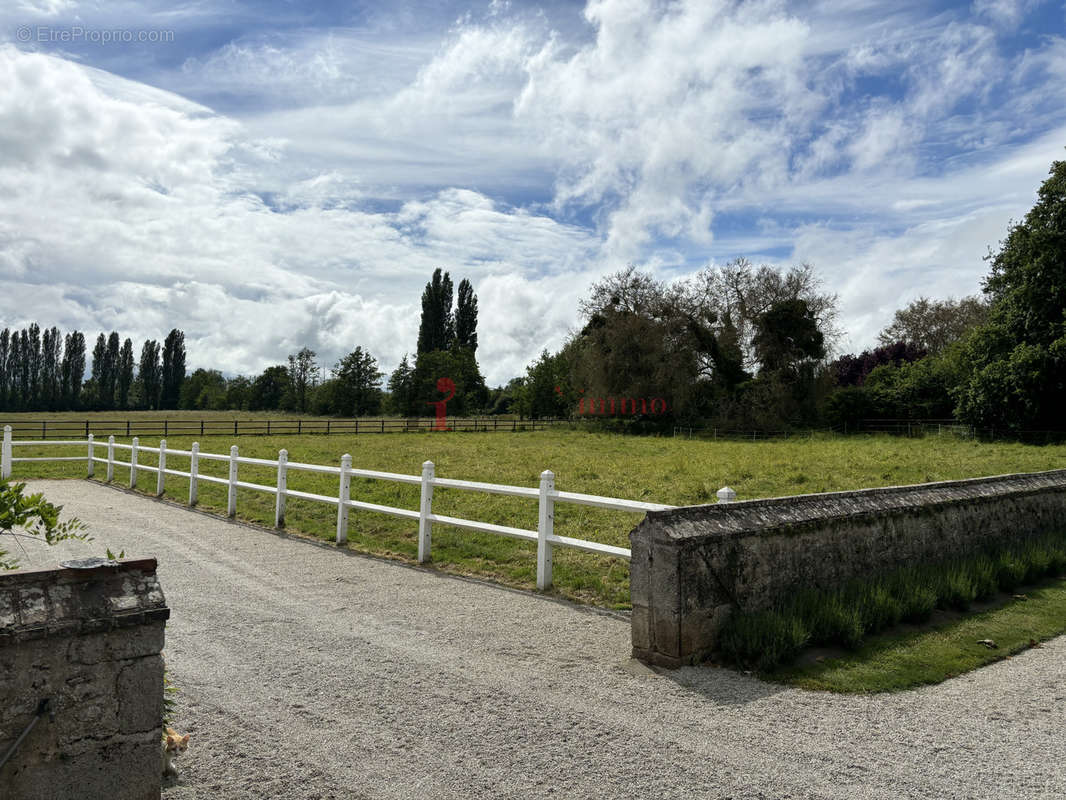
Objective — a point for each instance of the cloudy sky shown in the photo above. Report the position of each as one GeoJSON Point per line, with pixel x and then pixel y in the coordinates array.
{"type": "Point", "coordinates": [272, 175]}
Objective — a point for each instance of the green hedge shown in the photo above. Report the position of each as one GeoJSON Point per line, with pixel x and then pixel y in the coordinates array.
{"type": "Point", "coordinates": [845, 616]}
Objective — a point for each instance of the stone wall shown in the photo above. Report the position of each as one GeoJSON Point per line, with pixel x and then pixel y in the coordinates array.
{"type": "Point", "coordinates": [692, 566]}
{"type": "Point", "coordinates": [89, 641]}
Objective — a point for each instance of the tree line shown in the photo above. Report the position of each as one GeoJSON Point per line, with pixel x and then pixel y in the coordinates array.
{"type": "Point", "coordinates": [45, 371]}
{"type": "Point", "coordinates": [747, 347]}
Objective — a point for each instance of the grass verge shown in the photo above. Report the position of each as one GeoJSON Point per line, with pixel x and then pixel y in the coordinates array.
{"type": "Point", "coordinates": [906, 657]}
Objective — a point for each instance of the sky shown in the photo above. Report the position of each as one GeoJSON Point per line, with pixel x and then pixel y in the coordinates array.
{"type": "Point", "coordinates": [269, 176]}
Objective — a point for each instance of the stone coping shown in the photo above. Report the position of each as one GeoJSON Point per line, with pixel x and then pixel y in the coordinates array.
{"type": "Point", "coordinates": [772, 514]}
{"type": "Point", "coordinates": [41, 603]}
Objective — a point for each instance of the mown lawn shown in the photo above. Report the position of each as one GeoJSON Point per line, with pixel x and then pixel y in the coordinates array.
{"type": "Point", "coordinates": [667, 470]}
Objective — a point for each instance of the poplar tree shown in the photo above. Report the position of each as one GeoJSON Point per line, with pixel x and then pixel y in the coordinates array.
{"type": "Point", "coordinates": [5, 382]}
{"type": "Point", "coordinates": [466, 317]}
{"type": "Point", "coordinates": [72, 370]}
{"type": "Point", "coordinates": [436, 330]}
{"type": "Point", "coordinates": [173, 368]}
{"type": "Point", "coordinates": [148, 375]}
{"type": "Point", "coordinates": [125, 374]}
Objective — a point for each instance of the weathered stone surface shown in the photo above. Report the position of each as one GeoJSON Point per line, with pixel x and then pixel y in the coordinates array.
{"type": "Point", "coordinates": [692, 566]}
{"type": "Point", "coordinates": [90, 642]}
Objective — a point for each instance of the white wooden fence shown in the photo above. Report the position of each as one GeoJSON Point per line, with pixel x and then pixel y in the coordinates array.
{"type": "Point", "coordinates": [546, 495]}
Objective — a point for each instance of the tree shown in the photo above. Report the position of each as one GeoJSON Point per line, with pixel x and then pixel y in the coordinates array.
{"type": "Point", "coordinates": [358, 390]}
{"type": "Point", "coordinates": [466, 317]}
{"type": "Point", "coordinates": [51, 369]}
{"type": "Point", "coordinates": [851, 370]}
{"type": "Point", "coordinates": [33, 356]}
{"type": "Point", "coordinates": [98, 374]}
{"type": "Point", "coordinates": [109, 381]}
{"type": "Point", "coordinates": [402, 390]}
{"type": "Point", "coordinates": [932, 325]}
{"type": "Point", "coordinates": [73, 370]}
{"type": "Point", "coordinates": [5, 380]}
{"type": "Point", "coordinates": [173, 369]}
{"type": "Point", "coordinates": [742, 293]}
{"type": "Point", "coordinates": [238, 392]}
{"type": "Point", "coordinates": [149, 375]}
{"type": "Point", "coordinates": [302, 373]}
{"type": "Point", "coordinates": [1016, 362]}
{"type": "Point", "coordinates": [436, 330]}
{"type": "Point", "coordinates": [204, 389]}
{"type": "Point", "coordinates": [125, 375]}
{"type": "Point", "coordinates": [269, 389]}
{"type": "Point", "coordinates": [546, 390]}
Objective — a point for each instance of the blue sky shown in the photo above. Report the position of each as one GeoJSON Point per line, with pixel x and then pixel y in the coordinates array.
{"type": "Point", "coordinates": [274, 175]}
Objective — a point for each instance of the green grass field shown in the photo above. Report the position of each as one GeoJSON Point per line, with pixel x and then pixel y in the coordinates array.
{"type": "Point", "coordinates": [674, 471]}
{"type": "Point", "coordinates": [664, 470]}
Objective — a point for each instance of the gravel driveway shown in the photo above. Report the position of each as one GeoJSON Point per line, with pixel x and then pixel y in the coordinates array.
{"type": "Point", "coordinates": [306, 672]}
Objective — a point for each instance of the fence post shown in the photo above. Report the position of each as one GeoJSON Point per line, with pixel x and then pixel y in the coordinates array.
{"type": "Point", "coordinates": [425, 509]}
{"type": "Point", "coordinates": [110, 458]}
{"type": "Point", "coordinates": [343, 498]}
{"type": "Point", "coordinates": [133, 462]}
{"type": "Point", "coordinates": [5, 455]}
{"type": "Point", "coordinates": [231, 497]}
{"type": "Point", "coordinates": [726, 495]}
{"type": "Point", "coordinates": [545, 528]}
{"type": "Point", "coordinates": [160, 480]}
{"type": "Point", "coordinates": [194, 471]}
{"type": "Point", "coordinates": [283, 481]}
{"type": "Point", "coordinates": [89, 471]}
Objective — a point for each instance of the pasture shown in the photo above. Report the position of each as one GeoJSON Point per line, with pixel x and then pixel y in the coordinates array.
{"type": "Point", "coordinates": [667, 470]}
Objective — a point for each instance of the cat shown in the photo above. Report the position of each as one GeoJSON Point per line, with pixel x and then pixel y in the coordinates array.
{"type": "Point", "coordinates": [174, 744]}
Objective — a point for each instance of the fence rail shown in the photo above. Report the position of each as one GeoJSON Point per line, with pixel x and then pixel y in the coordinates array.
{"type": "Point", "coordinates": [545, 494]}
{"type": "Point", "coordinates": [49, 428]}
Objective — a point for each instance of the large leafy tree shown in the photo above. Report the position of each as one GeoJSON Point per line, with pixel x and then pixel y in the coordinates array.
{"type": "Point", "coordinates": [358, 384]}
{"type": "Point", "coordinates": [1017, 360]}
{"type": "Point", "coordinates": [932, 325]}
{"type": "Point", "coordinates": [402, 389]}
{"type": "Point", "coordinates": [269, 389]}
{"type": "Point", "coordinates": [303, 374]}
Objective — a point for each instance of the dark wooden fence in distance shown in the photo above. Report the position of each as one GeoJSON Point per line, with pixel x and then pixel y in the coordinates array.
{"type": "Point", "coordinates": [67, 428]}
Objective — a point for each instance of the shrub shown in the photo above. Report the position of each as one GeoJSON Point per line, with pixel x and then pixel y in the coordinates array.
{"type": "Point", "coordinates": [985, 580]}
{"type": "Point", "coordinates": [763, 639]}
{"type": "Point", "coordinates": [880, 608]}
{"type": "Point", "coordinates": [1010, 571]}
{"type": "Point", "coordinates": [958, 589]}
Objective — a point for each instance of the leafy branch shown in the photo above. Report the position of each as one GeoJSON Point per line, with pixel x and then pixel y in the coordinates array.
{"type": "Point", "coordinates": [31, 516]}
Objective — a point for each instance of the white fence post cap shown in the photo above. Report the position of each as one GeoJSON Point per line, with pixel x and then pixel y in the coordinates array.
{"type": "Point", "coordinates": [726, 495]}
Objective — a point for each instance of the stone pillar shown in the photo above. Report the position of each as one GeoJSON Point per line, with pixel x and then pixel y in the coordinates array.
{"type": "Point", "coordinates": [89, 641]}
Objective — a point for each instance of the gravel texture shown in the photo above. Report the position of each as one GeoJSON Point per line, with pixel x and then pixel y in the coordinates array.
{"type": "Point", "coordinates": [307, 672]}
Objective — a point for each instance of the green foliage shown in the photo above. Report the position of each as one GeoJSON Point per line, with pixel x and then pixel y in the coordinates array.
{"type": "Point", "coordinates": [32, 516]}
{"type": "Point", "coordinates": [170, 703]}
{"type": "Point", "coordinates": [358, 385]}
{"type": "Point", "coordinates": [1016, 376]}
{"type": "Point", "coordinates": [436, 330]}
{"type": "Point", "coordinates": [934, 325]}
{"type": "Point", "coordinates": [763, 640]}
{"type": "Point", "coordinates": [846, 616]}
{"type": "Point", "coordinates": [204, 389]}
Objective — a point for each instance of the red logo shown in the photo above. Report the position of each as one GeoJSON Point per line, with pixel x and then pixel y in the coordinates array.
{"type": "Point", "coordinates": [447, 386]}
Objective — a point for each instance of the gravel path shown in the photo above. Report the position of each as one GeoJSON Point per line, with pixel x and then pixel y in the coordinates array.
{"type": "Point", "coordinates": [309, 673]}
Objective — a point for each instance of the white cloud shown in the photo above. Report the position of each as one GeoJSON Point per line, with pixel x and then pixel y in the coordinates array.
{"type": "Point", "coordinates": [140, 216]}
